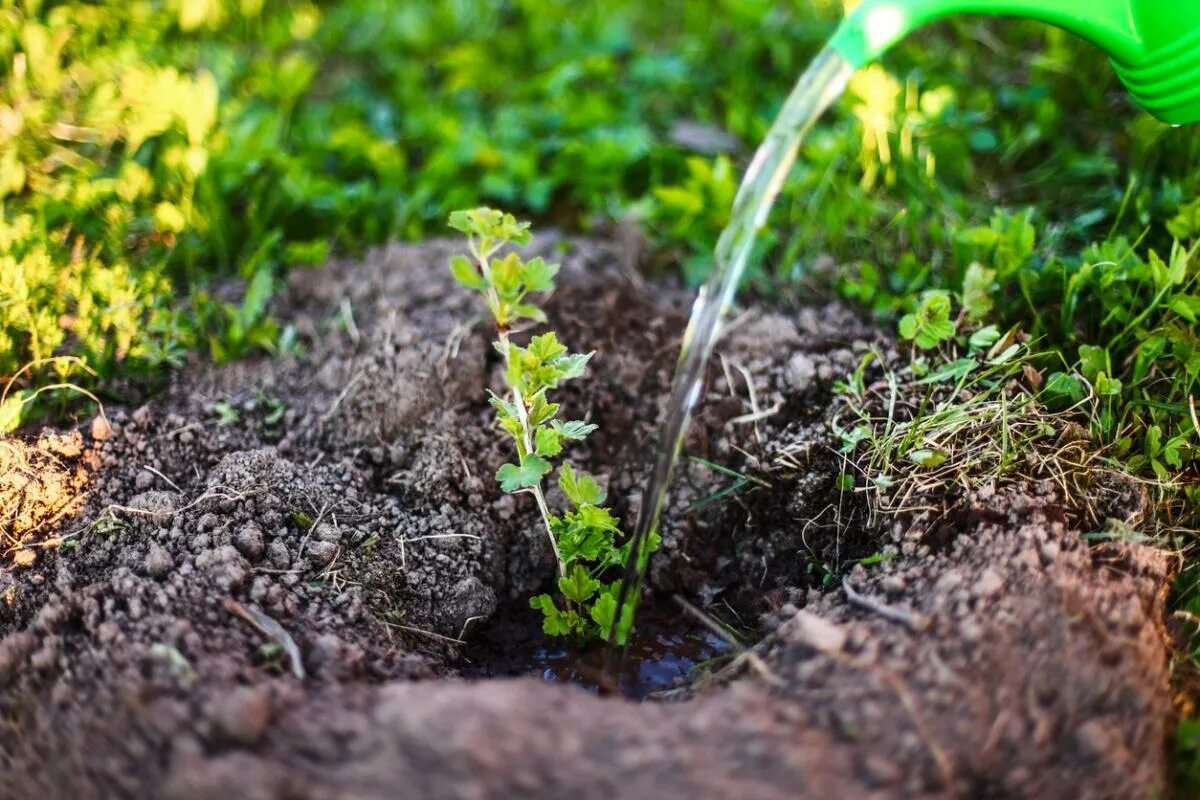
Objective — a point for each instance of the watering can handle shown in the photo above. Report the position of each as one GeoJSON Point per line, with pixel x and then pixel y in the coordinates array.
{"type": "Point", "coordinates": [1154, 45]}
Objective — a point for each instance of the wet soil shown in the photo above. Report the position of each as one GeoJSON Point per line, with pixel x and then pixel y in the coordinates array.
{"type": "Point", "coordinates": [283, 572]}
{"type": "Point", "coordinates": [667, 655]}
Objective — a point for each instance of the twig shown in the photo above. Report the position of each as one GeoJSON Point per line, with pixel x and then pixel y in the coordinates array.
{"type": "Point", "coordinates": [411, 629]}
{"type": "Point", "coordinates": [168, 481]}
{"type": "Point", "coordinates": [444, 536]}
{"type": "Point", "coordinates": [743, 654]}
{"type": "Point", "coordinates": [337, 401]}
{"type": "Point", "coordinates": [913, 621]}
{"type": "Point", "coordinates": [270, 628]}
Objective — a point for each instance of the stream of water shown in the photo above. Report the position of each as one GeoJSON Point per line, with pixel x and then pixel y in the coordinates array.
{"type": "Point", "coordinates": [818, 88]}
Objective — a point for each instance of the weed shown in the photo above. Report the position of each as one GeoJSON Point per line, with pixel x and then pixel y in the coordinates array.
{"type": "Point", "coordinates": [584, 538]}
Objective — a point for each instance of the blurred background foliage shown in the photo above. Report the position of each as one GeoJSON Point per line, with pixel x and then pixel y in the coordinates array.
{"type": "Point", "coordinates": [163, 163]}
{"type": "Point", "coordinates": [149, 147]}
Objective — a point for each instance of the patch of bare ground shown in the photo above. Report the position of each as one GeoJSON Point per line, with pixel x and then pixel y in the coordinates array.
{"type": "Point", "coordinates": [270, 603]}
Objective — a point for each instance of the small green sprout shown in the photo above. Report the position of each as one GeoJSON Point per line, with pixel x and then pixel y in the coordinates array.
{"type": "Point", "coordinates": [929, 325]}
{"type": "Point", "coordinates": [584, 537]}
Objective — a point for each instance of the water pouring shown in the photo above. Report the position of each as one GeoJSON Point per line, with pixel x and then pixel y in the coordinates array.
{"type": "Point", "coordinates": [1154, 46]}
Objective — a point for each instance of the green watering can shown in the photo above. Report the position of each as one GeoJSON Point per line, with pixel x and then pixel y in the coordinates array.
{"type": "Point", "coordinates": [1154, 45]}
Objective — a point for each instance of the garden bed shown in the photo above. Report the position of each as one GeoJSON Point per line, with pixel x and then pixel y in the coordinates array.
{"type": "Point", "coordinates": [289, 575]}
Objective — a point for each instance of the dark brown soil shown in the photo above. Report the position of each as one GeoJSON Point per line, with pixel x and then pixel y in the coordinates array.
{"type": "Point", "coordinates": [350, 506]}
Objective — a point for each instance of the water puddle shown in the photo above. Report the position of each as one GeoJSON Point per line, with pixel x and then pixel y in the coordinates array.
{"type": "Point", "coordinates": [667, 652]}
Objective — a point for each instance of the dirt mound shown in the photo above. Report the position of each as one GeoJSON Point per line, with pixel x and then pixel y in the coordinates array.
{"type": "Point", "coordinates": [268, 591]}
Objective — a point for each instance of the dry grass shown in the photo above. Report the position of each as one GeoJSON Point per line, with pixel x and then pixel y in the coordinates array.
{"type": "Point", "coordinates": [910, 444]}
{"type": "Point", "coordinates": [40, 484]}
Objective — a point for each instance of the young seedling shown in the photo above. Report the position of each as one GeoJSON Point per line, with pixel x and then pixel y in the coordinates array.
{"type": "Point", "coordinates": [584, 538]}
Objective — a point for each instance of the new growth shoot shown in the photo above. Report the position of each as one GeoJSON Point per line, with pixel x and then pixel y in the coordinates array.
{"type": "Point", "coordinates": [585, 537]}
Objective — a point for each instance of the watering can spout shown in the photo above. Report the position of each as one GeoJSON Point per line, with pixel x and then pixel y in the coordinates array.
{"type": "Point", "coordinates": [1154, 45]}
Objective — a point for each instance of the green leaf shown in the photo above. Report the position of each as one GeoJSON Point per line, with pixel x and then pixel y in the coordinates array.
{"type": "Point", "coordinates": [580, 543]}
{"type": "Point", "coordinates": [541, 411]}
{"type": "Point", "coordinates": [506, 276]}
{"type": "Point", "coordinates": [1106, 386]}
{"type": "Point", "coordinates": [927, 458]}
{"type": "Point", "coordinates": [984, 338]}
{"type": "Point", "coordinates": [548, 442]}
{"type": "Point", "coordinates": [597, 517]}
{"type": "Point", "coordinates": [546, 348]}
{"type": "Point", "coordinates": [460, 221]}
{"type": "Point", "coordinates": [930, 324]}
{"type": "Point", "coordinates": [580, 489]}
{"type": "Point", "coordinates": [488, 223]}
{"type": "Point", "coordinates": [530, 473]}
{"type": "Point", "coordinates": [506, 416]}
{"type": "Point", "coordinates": [553, 622]}
{"type": "Point", "coordinates": [604, 610]}
{"type": "Point", "coordinates": [514, 375]}
{"type": "Point", "coordinates": [1186, 224]}
{"type": "Point", "coordinates": [1186, 306]}
{"type": "Point", "coordinates": [10, 411]}
{"type": "Point", "coordinates": [1062, 389]}
{"type": "Point", "coordinates": [465, 274]}
{"type": "Point", "coordinates": [1154, 436]}
{"type": "Point", "coordinates": [1093, 360]}
{"type": "Point", "coordinates": [976, 292]}
{"type": "Point", "coordinates": [538, 276]}
{"type": "Point", "coordinates": [575, 430]}
{"type": "Point", "coordinates": [572, 366]}
{"type": "Point", "coordinates": [530, 311]}
{"type": "Point", "coordinates": [578, 585]}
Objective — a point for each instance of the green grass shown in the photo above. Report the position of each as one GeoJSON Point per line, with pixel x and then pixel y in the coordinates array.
{"type": "Point", "coordinates": [148, 148]}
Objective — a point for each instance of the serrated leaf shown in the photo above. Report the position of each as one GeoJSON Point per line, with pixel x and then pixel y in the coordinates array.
{"type": "Point", "coordinates": [548, 442]}
{"type": "Point", "coordinates": [529, 473]}
{"type": "Point", "coordinates": [934, 333]}
{"type": "Point", "coordinates": [541, 411]}
{"type": "Point", "coordinates": [578, 585]}
{"type": "Point", "coordinates": [465, 274]}
{"type": "Point", "coordinates": [593, 516]}
{"type": "Point", "coordinates": [553, 622]}
{"type": "Point", "coordinates": [580, 489]}
{"type": "Point", "coordinates": [538, 276]}
{"type": "Point", "coordinates": [546, 347]}
{"type": "Point", "coordinates": [580, 543]}
{"type": "Point", "coordinates": [576, 430]}
{"type": "Point", "coordinates": [572, 366]}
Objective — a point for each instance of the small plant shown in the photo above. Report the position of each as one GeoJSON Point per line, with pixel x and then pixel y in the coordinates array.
{"type": "Point", "coordinates": [930, 324]}
{"type": "Point", "coordinates": [584, 538]}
